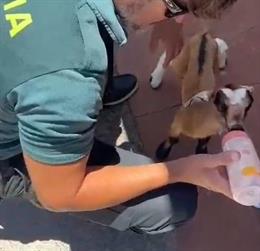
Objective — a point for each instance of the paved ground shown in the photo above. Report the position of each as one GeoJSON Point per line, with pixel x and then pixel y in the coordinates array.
{"type": "Point", "coordinates": [28, 229]}
{"type": "Point", "coordinates": [219, 224]}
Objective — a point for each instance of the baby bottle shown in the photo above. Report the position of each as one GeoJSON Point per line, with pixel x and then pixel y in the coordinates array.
{"type": "Point", "coordinates": [244, 175]}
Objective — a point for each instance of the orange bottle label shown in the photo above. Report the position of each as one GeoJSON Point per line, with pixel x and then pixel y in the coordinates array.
{"type": "Point", "coordinates": [250, 171]}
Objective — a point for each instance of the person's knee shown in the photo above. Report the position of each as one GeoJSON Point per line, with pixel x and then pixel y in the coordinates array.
{"type": "Point", "coordinates": [185, 202]}
{"type": "Point", "coordinates": [165, 213]}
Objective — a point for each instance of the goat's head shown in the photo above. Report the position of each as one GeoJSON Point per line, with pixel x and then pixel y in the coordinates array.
{"type": "Point", "coordinates": [234, 102]}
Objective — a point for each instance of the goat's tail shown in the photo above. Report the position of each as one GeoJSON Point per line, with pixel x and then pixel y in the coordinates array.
{"type": "Point", "coordinates": [202, 53]}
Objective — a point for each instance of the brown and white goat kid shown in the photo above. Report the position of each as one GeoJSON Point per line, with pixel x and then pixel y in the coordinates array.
{"type": "Point", "coordinates": [205, 112]}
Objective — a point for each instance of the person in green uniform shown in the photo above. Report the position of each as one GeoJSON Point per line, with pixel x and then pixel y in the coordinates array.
{"type": "Point", "coordinates": [54, 79]}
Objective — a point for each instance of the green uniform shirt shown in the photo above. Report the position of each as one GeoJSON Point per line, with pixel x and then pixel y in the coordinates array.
{"type": "Point", "coordinates": [52, 67]}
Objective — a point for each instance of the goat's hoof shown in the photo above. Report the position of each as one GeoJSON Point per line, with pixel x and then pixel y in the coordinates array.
{"type": "Point", "coordinates": [223, 68]}
{"type": "Point", "coordinates": [201, 150]}
{"type": "Point", "coordinates": [162, 152]}
{"type": "Point", "coordinates": [154, 84]}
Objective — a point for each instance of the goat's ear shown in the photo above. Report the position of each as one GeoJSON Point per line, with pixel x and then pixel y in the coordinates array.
{"type": "Point", "coordinates": [249, 88]}
{"type": "Point", "coordinates": [250, 101]}
{"type": "Point", "coordinates": [220, 102]}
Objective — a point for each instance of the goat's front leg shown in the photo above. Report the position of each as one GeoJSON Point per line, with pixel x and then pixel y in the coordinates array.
{"type": "Point", "coordinates": [202, 146]}
{"type": "Point", "coordinates": [222, 54]}
{"type": "Point", "coordinates": [158, 73]}
{"type": "Point", "coordinates": [165, 147]}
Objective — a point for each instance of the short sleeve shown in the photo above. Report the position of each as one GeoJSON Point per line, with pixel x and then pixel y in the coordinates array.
{"type": "Point", "coordinates": [57, 114]}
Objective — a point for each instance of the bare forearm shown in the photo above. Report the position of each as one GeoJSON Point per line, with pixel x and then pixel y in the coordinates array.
{"type": "Point", "coordinates": [77, 187]}
{"type": "Point", "coordinates": [112, 185]}
{"type": "Point", "coordinates": [72, 187]}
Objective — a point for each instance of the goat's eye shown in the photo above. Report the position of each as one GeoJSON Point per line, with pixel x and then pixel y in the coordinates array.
{"type": "Point", "coordinates": [221, 102]}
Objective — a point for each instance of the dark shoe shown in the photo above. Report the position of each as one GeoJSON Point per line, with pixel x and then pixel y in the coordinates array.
{"type": "Point", "coordinates": [121, 89]}
{"type": "Point", "coordinates": [13, 183]}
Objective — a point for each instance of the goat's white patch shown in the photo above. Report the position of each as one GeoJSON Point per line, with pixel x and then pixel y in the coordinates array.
{"type": "Point", "coordinates": [235, 97]}
{"type": "Point", "coordinates": [248, 88]}
{"type": "Point", "coordinates": [158, 73]}
{"type": "Point", "coordinates": [222, 53]}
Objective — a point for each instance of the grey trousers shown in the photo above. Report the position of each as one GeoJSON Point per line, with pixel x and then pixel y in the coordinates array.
{"type": "Point", "coordinates": [155, 212]}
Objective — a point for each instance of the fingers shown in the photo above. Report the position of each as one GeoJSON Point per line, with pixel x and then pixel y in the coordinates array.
{"type": "Point", "coordinates": [154, 39]}
{"type": "Point", "coordinates": [154, 44]}
{"type": "Point", "coordinates": [216, 160]}
{"type": "Point", "coordinates": [219, 184]}
{"type": "Point", "coordinates": [223, 186]}
{"type": "Point", "coordinates": [180, 19]}
{"type": "Point", "coordinates": [225, 158]}
{"type": "Point", "coordinates": [223, 172]}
